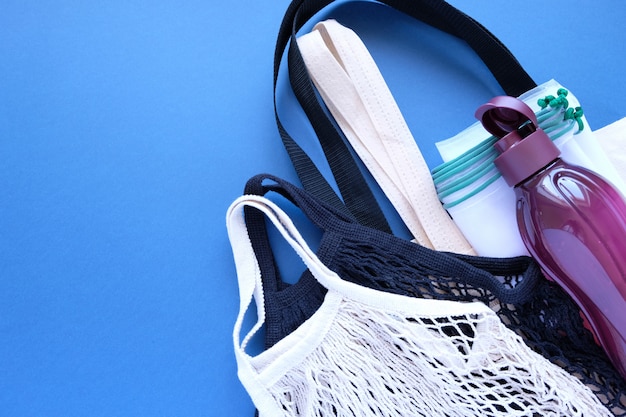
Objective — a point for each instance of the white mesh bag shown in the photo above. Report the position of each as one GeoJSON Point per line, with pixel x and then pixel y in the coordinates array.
{"type": "Point", "coordinates": [368, 353]}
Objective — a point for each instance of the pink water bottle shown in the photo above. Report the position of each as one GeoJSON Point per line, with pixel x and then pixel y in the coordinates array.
{"type": "Point", "coordinates": [572, 221]}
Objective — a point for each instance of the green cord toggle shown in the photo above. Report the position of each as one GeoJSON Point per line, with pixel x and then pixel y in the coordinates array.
{"type": "Point", "coordinates": [560, 101]}
{"type": "Point", "coordinates": [554, 102]}
{"type": "Point", "coordinates": [544, 102]}
{"type": "Point", "coordinates": [576, 115]}
{"type": "Point", "coordinates": [562, 92]}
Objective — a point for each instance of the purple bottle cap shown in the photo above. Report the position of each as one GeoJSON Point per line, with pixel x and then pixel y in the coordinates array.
{"type": "Point", "coordinates": [504, 114]}
{"type": "Point", "coordinates": [524, 148]}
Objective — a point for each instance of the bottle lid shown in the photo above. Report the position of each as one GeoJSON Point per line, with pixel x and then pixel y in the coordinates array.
{"type": "Point", "coordinates": [524, 148]}
{"type": "Point", "coordinates": [504, 114]}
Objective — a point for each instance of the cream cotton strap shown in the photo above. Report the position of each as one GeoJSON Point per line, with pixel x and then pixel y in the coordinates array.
{"type": "Point", "coordinates": [367, 353]}
{"type": "Point", "coordinates": [354, 190]}
{"type": "Point", "coordinates": [357, 96]}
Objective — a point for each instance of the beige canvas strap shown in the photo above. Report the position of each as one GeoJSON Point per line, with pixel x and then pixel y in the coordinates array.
{"type": "Point", "coordinates": [356, 94]}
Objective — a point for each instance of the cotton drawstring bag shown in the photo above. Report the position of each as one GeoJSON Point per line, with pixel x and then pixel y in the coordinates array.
{"type": "Point", "coordinates": [370, 353]}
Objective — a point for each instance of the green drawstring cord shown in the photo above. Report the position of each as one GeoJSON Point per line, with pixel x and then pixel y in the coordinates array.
{"type": "Point", "coordinates": [460, 183]}
{"type": "Point", "coordinates": [452, 167]}
{"type": "Point", "coordinates": [478, 189]}
{"type": "Point", "coordinates": [551, 107]}
{"type": "Point", "coordinates": [547, 119]}
{"type": "Point", "coordinates": [484, 152]}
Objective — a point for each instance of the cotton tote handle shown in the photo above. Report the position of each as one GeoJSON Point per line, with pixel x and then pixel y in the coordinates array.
{"type": "Point", "coordinates": [356, 94]}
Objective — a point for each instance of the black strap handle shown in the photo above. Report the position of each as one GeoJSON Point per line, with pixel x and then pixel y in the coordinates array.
{"type": "Point", "coordinates": [323, 215]}
{"type": "Point", "coordinates": [358, 198]}
{"type": "Point", "coordinates": [474, 270]}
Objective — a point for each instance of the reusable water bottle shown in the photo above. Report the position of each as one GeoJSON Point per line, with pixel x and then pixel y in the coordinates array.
{"type": "Point", "coordinates": [572, 221]}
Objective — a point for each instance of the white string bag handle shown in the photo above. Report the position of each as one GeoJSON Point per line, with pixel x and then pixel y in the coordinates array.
{"type": "Point", "coordinates": [251, 289]}
{"type": "Point", "coordinates": [290, 351]}
{"type": "Point", "coordinates": [362, 345]}
{"type": "Point", "coordinates": [249, 273]}
{"type": "Point", "coordinates": [356, 94]}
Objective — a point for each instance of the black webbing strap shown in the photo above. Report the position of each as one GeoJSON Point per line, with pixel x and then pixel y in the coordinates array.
{"type": "Point", "coordinates": [356, 193]}
{"type": "Point", "coordinates": [358, 199]}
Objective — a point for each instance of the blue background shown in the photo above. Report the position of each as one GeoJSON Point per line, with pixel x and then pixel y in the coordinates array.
{"type": "Point", "coordinates": [128, 127]}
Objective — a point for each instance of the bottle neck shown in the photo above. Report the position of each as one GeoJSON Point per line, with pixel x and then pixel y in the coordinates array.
{"type": "Point", "coordinates": [523, 157]}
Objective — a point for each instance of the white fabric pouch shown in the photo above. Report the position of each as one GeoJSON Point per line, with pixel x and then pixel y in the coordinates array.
{"type": "Point", "coordinates": [612, 140]}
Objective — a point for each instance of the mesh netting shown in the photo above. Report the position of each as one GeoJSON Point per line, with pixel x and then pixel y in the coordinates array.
{"type": "Point", "coordinates": [549, 321]}
{"type": "Point", "coordinates": [537, 310]}
{"type": "Point", "coordinates": [375, 361]}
